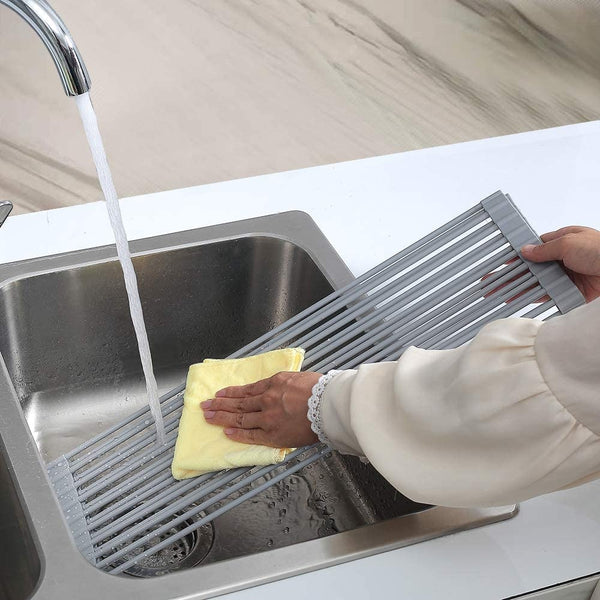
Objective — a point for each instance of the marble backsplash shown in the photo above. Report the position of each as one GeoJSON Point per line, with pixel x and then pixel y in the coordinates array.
{"type": "Point", "coordinates": [197, 91]}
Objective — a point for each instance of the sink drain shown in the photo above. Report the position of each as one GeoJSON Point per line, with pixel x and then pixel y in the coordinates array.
{"type": "Point", "coordinates": [182, 554]}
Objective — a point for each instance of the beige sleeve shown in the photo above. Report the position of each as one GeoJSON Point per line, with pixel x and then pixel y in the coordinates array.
{"type": "Point", "coordinates": [513, 414]}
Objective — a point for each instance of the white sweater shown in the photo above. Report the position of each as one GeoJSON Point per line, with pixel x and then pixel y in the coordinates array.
{"type": "Point", "coordinates": [513, 414]}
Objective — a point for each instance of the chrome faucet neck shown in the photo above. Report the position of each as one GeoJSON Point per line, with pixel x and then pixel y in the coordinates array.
{"type": "Point", "coordinates": [56, 37]}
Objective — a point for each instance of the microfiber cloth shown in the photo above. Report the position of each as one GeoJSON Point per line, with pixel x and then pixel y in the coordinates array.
{"type": "Point", "coordinates": [202, 447]}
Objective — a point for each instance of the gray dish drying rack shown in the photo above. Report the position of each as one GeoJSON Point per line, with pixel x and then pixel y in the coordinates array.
{"type": "Point", "coordinates": [116, 490]}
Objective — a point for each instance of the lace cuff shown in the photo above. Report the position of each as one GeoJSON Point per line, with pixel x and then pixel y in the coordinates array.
{"type": "Point", "coordinates": [314, 406]}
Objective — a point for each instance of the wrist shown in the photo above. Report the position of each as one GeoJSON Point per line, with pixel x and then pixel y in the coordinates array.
{"type": "Point", "coordinates": [314, 406]}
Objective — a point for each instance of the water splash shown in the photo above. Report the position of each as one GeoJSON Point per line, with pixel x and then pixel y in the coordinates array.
{"type": "Point", "coordinates": [90, 125]}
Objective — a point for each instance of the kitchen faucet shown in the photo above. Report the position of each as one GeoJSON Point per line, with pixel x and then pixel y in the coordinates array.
{"type": "Point", "coordinates": [56, 37]}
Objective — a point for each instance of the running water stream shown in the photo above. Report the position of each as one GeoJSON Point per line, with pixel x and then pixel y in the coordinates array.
{"type": "Point", "coordinates": [90, 124]}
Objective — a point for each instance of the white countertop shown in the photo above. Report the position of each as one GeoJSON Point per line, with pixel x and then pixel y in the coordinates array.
{"type": "Point", "coordinates": [369, 209]}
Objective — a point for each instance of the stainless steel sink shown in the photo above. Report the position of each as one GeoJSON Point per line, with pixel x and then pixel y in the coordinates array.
{"type": "Point", "coordinates": [71, 370]}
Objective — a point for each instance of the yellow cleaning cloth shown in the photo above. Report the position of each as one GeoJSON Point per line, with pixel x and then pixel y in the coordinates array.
{"type": "Point", "coordinates": [202, 447]}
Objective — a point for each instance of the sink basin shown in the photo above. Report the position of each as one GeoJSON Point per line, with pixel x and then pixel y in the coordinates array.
{"type": "Point", "coordinates": [69, 344]}
{"type": "Point", "coordinates": [20, 565]}
{"type": "Point", "coordinates": [71, 370]}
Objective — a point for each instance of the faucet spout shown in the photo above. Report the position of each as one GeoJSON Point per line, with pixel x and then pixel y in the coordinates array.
{"type": "Point", "coordinates": [56, 37]}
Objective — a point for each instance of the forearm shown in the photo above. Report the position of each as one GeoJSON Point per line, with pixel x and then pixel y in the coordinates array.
{"type": "Point", "coordinates": [478, 425]}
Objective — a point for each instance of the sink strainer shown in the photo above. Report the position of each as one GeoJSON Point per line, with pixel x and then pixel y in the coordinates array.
{"type": "Point", "coordinates": [124, 509]}
{"type": "Point", "coordinates": [187, 551]}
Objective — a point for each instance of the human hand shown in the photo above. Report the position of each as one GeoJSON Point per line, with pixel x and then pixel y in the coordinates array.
{"type": "Point", "coordinates": [271, 411]}
{"type": "Point", "coordinates": [578, 248]}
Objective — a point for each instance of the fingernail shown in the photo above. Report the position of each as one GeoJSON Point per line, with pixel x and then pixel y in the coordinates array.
{"type": "Point", "coordinates": [206, 404]}
{"type": "Point", "coordinates": [209, 414]}
{"type": "Point", "coordinates": [220, 393]}
{"type": "Point", "coordinates": [527, 248]}
{"type": "Point", "coordinates": [229, 431]}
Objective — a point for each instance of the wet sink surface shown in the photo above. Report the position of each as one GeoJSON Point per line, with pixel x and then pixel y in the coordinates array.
{"type": "Point", "coordinates": [69, 349]}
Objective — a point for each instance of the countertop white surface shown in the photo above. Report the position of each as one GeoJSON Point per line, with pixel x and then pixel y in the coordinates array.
{"type": "Point", "coordinates": [369, 209]}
